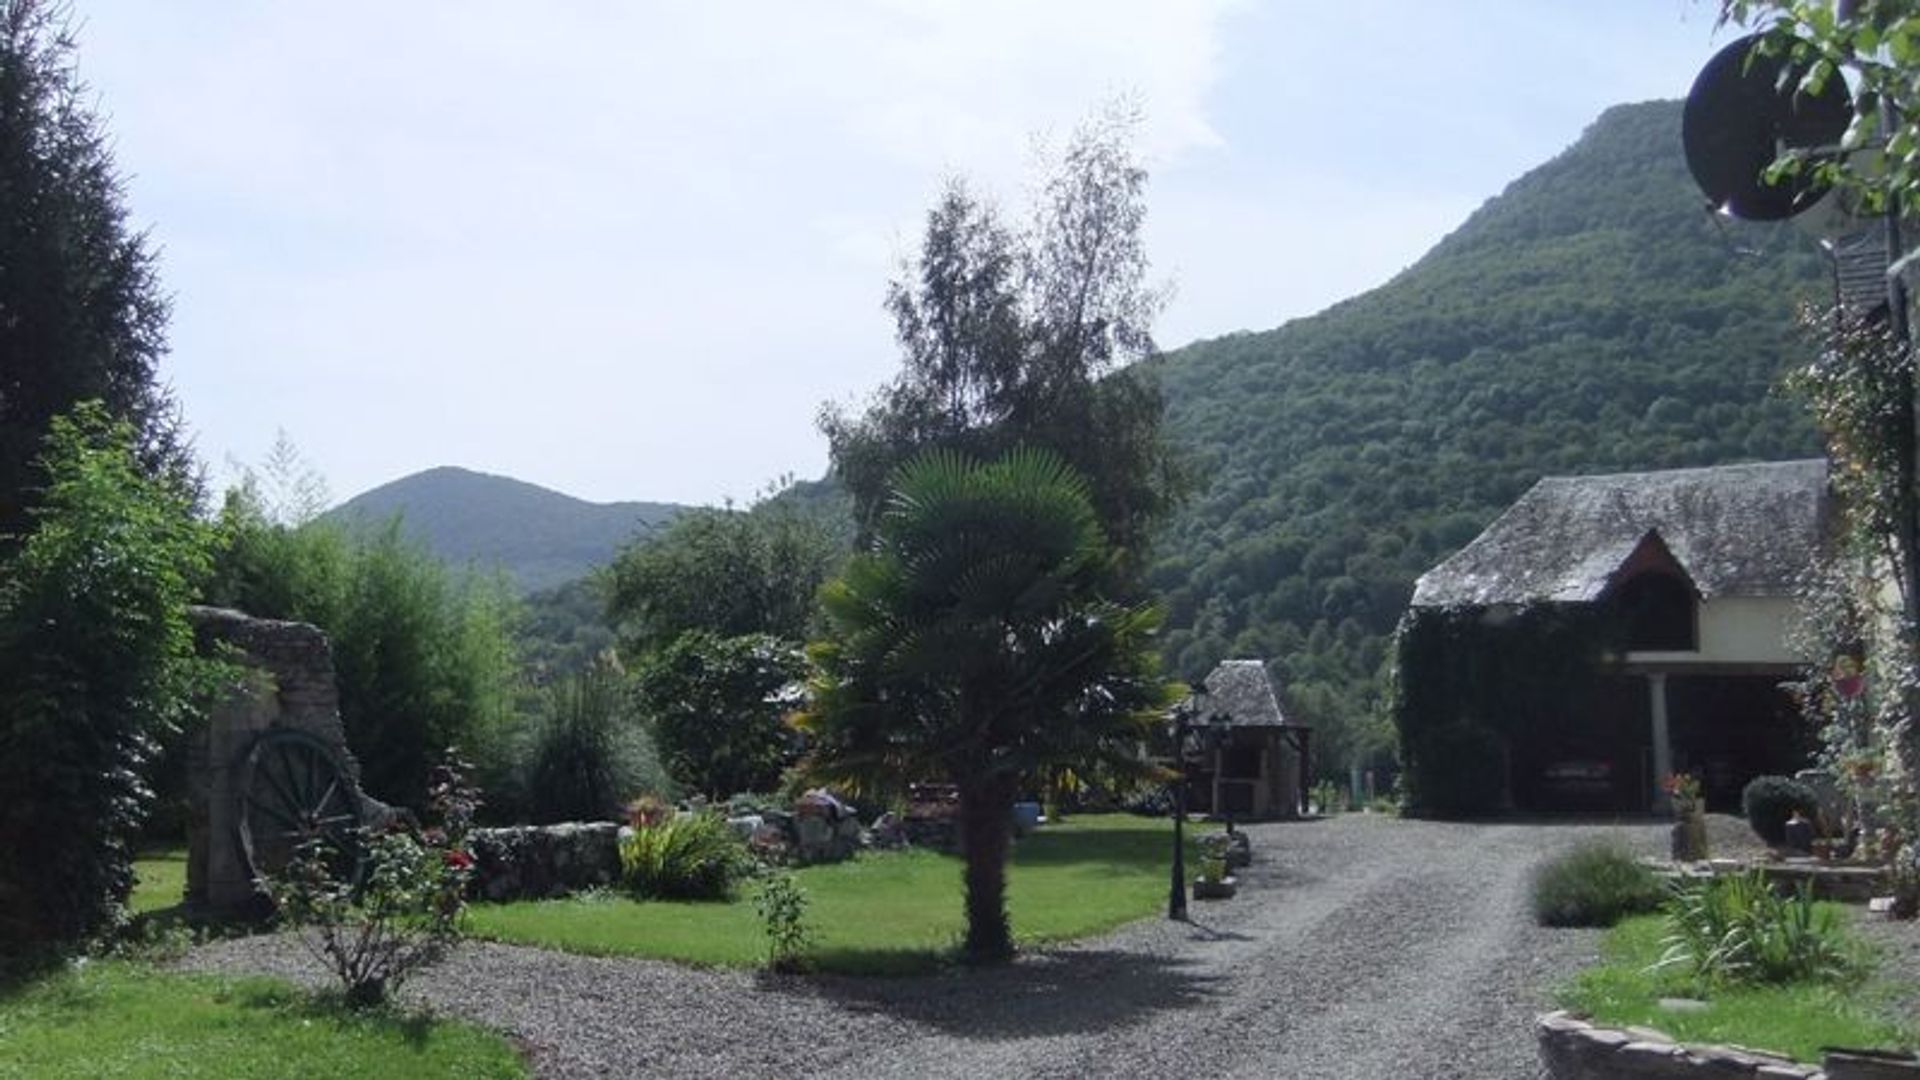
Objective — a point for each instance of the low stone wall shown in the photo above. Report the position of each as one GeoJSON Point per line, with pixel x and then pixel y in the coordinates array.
{"type": "Point", "coordinates": [530, 862]}
{"type": "Point", "coordinates": [1844, 882]}
{"type": "Point", "coordinates": [1573, 1049]}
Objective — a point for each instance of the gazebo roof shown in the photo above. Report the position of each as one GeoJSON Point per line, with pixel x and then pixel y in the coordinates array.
{"type": "Point", "coordinates": [1735, 530]}
{"type": "Point", "coordinates": [1242, 691]}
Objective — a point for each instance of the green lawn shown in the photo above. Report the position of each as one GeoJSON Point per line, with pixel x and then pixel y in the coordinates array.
{"type": "Point", "coordinates": [126, 1020]}
{"type": "Point", "coordinates": [159, 881]}
{"type": "Point", "coordinates": [1797, 1019]}
{"type": "Point", "coordinates": [881, 913]}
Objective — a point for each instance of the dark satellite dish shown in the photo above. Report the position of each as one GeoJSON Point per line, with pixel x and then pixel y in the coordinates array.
{"type": "Point", "coordinates": [1747, 107]}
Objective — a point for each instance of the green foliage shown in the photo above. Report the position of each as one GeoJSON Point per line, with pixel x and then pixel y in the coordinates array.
{"type": "Point", "coordinates": [1594, 884]}
{"type": "Point", "coordinates": [85, 312]}
{"type": "Point", "coordinates": [564, 629]}
{"type": "Point", "coordinates": [1588, 319]}
{"type": "Point", "coordinates": [1024, 339]}
{"type": "Point", "coordinates": [976, 643]}
{"type": "Point", "coordinates": [424, 658]}
{"type": "Point", "coordinates": [585, 751]}
{"type": "Point", "coordinates": [684, 857]}
{"type": "Point", "coordinates": [375, 931]}
{"type": "Point", "coordinates": [1854, 633]}
{"type": "Point", "coordinates": [782, 906]}
{"type": "Point", "coordinates": [726, 572]}
{"type": "Point", "coordinates": [96, 664]}
{"type": "Point", "coordinates": [1470, 690]}
{"type": "Point", "coordinates": [1330, 797]}
{"type": "Point", "coordinates": [1768, 801]}
{"type": "Point", "coordinates": [717, 709]}
{"type": "Point", "coordinates": [1737, 929]}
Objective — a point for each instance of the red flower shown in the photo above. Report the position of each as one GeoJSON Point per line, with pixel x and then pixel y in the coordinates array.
{"type": "Point", "coordinates": [458, 860]}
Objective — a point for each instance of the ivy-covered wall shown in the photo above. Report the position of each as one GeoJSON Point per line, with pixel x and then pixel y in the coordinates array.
{"type": "Point", "coordinates": [1475, 689]}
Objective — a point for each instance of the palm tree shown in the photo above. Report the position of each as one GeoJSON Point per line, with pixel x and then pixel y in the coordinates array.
{"type": "Point", "coordinates": [975, 644]}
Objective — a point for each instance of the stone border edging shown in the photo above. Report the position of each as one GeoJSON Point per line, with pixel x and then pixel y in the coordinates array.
{"type": "Point", "coordinates": [1573, 1049]}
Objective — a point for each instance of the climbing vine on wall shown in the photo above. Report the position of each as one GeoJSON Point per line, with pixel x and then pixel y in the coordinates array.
{"type": "Point", "coordinates": [1852, 630]}
{"type": "Point", "coordinates": [1468, 683]}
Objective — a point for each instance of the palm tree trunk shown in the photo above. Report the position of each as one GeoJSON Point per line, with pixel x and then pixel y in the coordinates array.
{"type": "Point", "coordinates": [986, 832]}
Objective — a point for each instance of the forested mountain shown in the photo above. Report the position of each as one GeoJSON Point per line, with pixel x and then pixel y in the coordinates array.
{"type": "Point", "coordinates": [540, 537]}
{"type": "Point", "coordinates": [1592, 317]}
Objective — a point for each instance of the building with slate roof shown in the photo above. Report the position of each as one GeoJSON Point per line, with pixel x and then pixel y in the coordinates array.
{"type": "Point", "coordinates": [1258, 770]}
{"type": "Point", "coordinates": [1699, 565]}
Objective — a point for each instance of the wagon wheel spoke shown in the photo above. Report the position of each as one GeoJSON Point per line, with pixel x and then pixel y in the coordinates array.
{"type": "Point", "coordinates": [326, 798]}
{"type": "Point", "coordinates": [270, 809]}
{"type": "Point", "coordinates": [288, 803]}
{"type": "Point", "coordinates": [313, 777]}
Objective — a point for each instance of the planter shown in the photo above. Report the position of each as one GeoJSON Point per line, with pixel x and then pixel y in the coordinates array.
{"type": "Point", "coordinates": [1223, 889]}
{"type": "Point", "coordinates": [1688, 838]}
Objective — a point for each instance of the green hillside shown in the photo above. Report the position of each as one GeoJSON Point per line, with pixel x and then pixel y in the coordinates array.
{"type": "Point", "coordinates": [540, 537]}
{"type": "Point", "coordinates": [1590, 318]}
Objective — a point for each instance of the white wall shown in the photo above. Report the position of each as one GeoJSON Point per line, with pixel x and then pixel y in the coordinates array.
{"type": "Point", "coordinates": [1736, 630]}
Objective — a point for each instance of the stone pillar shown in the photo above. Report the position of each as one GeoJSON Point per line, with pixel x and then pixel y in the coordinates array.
{"type": "Point", "coordinates": [1219, 807]}
{"type": "Point", "coordinates": [1662, 741]}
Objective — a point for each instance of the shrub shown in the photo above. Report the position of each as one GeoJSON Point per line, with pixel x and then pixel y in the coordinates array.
{"type": "Point", "coordinates": [585, 750]}
{"type": "Point", "coordinates": [1736, 929]}
{"type": "Point", "coordinates": [718, 707]}
{"type": "Point", "coordinates": [405, 910]}
{"type": "Point", "coordinates": [1328, 798]}
{"type": "Point", "coordinates": [1594, 884]}
{"type": "Point", "coordinates": [96, 662]}
{"type": "Point", "coordinates": [689, 857]}
{"type": "Point", "coordinates": [1770, 800]}
{"type": "Point", "coordinates": [782, 905]}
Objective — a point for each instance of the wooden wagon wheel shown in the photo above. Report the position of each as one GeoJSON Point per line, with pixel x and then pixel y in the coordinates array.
{"type": "Point", "coordinates": [291, 787]}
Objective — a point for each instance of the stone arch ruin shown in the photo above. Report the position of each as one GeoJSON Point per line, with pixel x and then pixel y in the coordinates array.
{"type": "Point", "coordinates": [271, 762]}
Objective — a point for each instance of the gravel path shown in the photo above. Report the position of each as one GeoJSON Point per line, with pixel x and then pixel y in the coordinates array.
{"type": "Point", "coordinates": [1359, 947]}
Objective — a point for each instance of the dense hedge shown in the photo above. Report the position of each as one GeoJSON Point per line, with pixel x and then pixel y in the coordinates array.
{"type": "Point", "coordinates": [1467, 684]}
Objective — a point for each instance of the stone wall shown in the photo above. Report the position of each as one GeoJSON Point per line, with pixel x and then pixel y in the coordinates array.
{"type": "Point", "coordinates": [531, 862]}
{"type": "Point", "coordinates": [1573, 1049]}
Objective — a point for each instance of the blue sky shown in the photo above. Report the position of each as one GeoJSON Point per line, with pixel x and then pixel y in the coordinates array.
{"type": "Point", "coordinates": [626, 250]}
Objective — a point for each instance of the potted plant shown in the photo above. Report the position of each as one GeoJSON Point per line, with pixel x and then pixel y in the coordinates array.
{"type": "Point", "coordinates": [1688, 839]}
{"type": "Point", "coordinates": [1214, 883]}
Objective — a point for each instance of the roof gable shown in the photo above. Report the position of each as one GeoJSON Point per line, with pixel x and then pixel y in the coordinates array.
{"type": "Point", "coordinates": [1734, 530]}
{"type": "Point", "coordinates": [1650, 556]}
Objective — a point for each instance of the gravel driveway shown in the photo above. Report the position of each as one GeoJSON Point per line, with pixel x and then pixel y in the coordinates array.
{"type": "Point", "coordinates": [1359, 947]}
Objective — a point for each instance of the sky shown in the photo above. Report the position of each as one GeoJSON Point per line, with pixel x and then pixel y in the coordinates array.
{"type": "Point", "coordinates": [627, 250]}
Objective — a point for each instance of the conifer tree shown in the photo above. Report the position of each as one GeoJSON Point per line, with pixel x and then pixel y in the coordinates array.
{"type": "Point", "coordinates": [82, 316]}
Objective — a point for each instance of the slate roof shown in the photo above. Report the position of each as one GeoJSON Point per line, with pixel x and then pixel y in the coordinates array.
{"type": "Point", "coordinates": [1242, 690]}
{"type": "Point", "coordinates": [1737, 530]}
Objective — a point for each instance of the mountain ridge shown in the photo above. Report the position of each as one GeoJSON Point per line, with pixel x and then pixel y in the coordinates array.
{"type": "Point", "coordinates": [540, 537]}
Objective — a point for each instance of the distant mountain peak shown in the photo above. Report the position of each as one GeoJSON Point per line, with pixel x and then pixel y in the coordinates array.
{"type": "Point", "coordinates": [538, 536]}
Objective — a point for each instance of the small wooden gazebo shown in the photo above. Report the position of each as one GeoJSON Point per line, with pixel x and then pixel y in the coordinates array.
{"type": "Point", "coordinates": [1259, 769]}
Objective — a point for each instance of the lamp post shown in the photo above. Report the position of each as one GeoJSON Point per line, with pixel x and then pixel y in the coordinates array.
{"type": "Point", "coordinates": [1215, 726]}
{"type": "Point", "coordinates": [1182, 721]}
